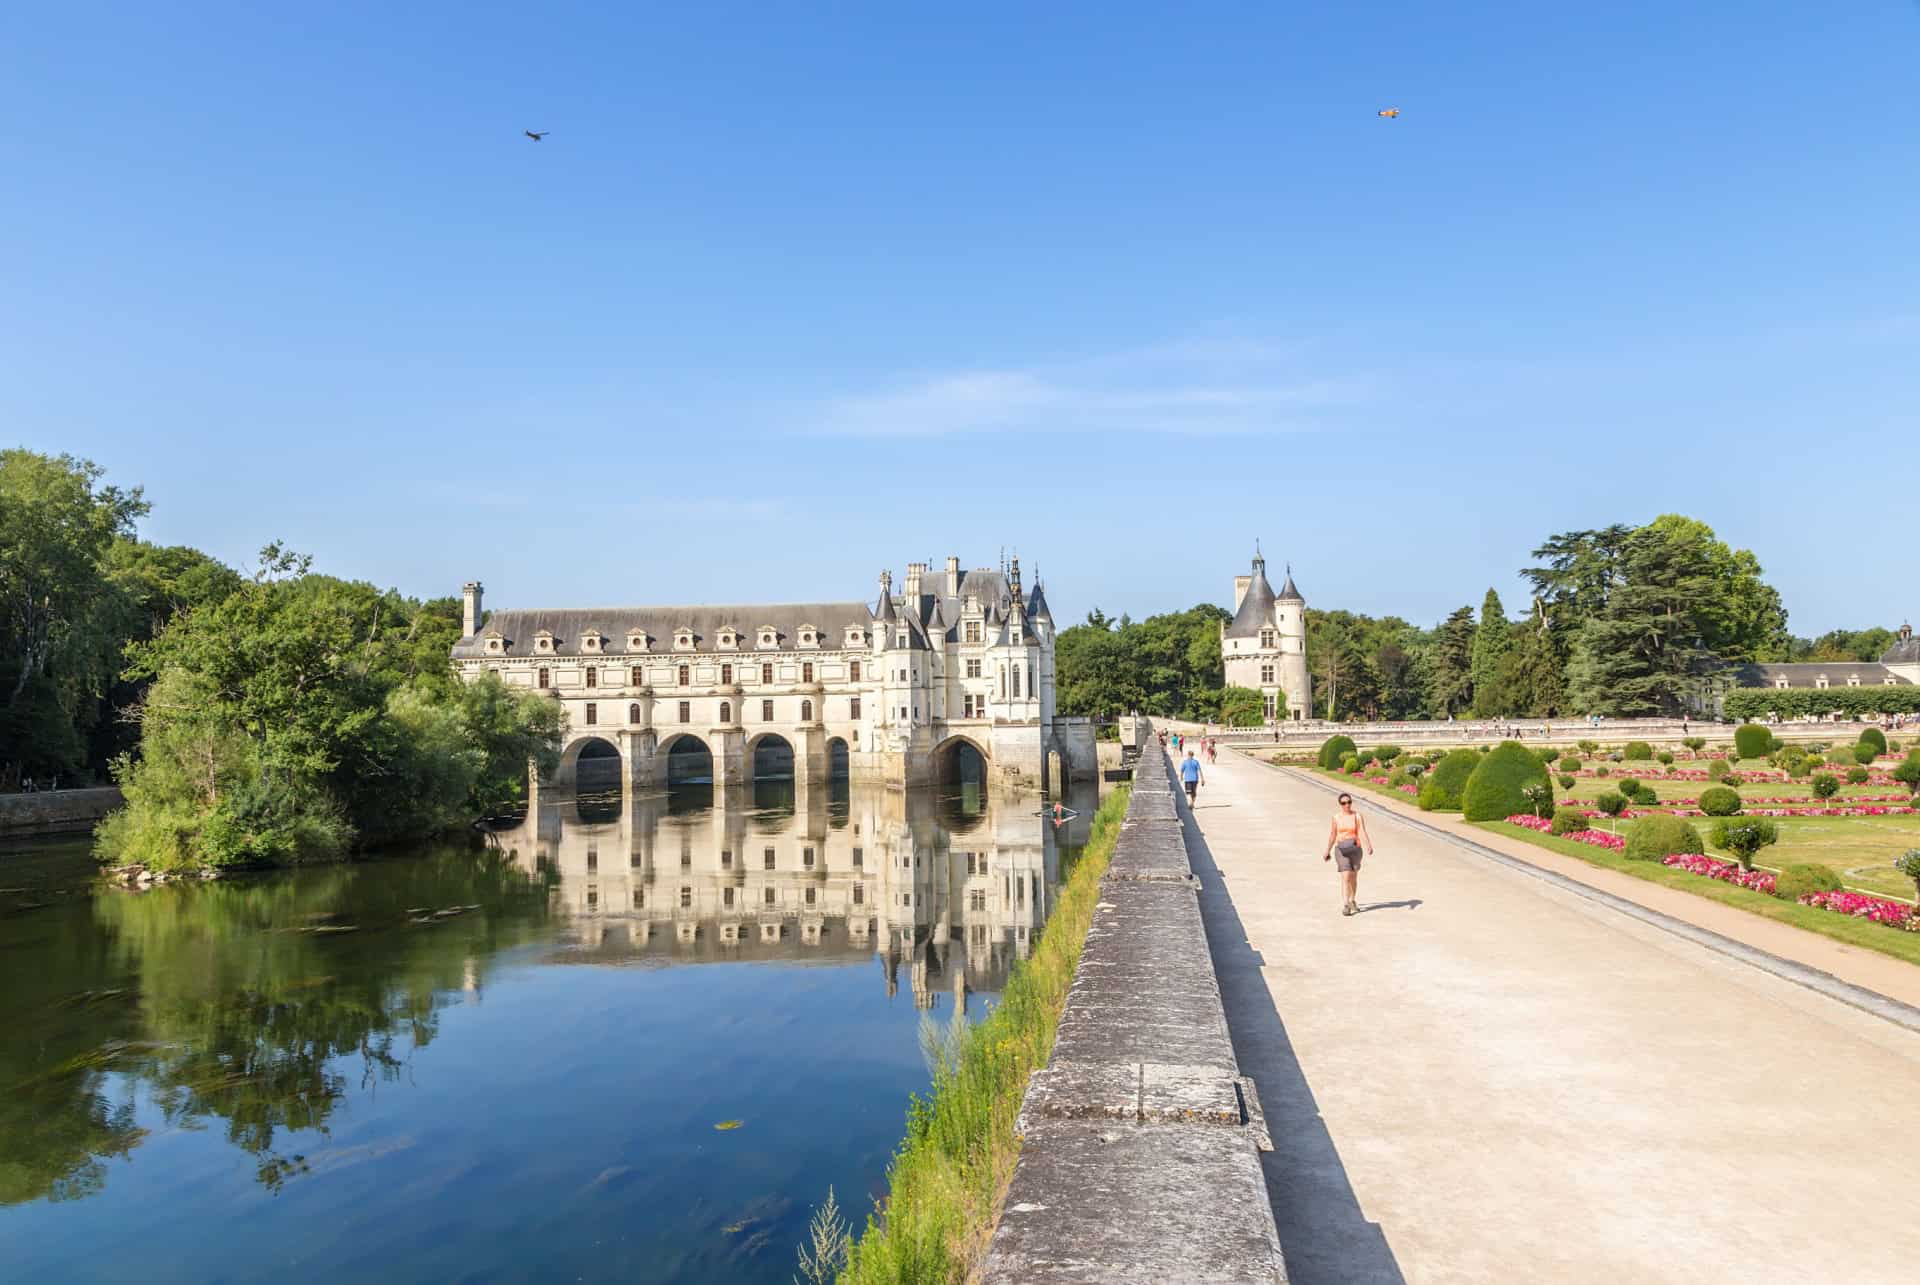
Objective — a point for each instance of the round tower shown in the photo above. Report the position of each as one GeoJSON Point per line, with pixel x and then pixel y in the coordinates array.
{"type": "Point", "coordinates": [1290, 616]}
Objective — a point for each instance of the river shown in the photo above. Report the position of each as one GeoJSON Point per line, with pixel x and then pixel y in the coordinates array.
{"type": "Point", "coordinates": [627, 1042]}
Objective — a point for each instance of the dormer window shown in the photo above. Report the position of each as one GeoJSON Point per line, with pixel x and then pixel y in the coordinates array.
{"type": "Point", "coordinates": [1853, 680]}
{"type": "Point", "coordinates": [809, 636]}
{"type": "Point", "coordinates": [1266, 638]}
{"type": "Point", "coordinates": [856, 637]}
{"type": "Point", "coordinates": [495, 646]}
{"type": "Point", "coordinates": [769, 637]}
{"type": "Point", "coordinates": [1820, 681]}
{"type": "Point", "coordinates": [591, 640]}
{"type": "Point", "coordinates": [728, 637]}
{"type": "Point", "coordinates": [683, 640]}
{"type": "Point", "coordinates": [543, 641]}
{"type": "Point", "coordinates": [637, 640]}
{"type": "Point", "coordinates": [1779, 682]}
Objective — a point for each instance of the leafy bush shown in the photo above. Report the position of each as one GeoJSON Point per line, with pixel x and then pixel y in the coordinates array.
{"type": "Point", "coordinates": [1825, 785]}
{"type": "Point", "coordinates": [1589, 748]}
{"type": "Point", "coordinates": [1566, 782]}
{"type": "Point", "coordinates": [1665, 757]}
{"type": "Point", "coordinates": [1549, 756]}
{"type": "Point", "coordinates": [1350, 764]}
{"type": "Point", "coordinates": [1602, 770]}
{"type": "Point", "coordinates": [1908, 774]}
{"type": "Point", "coordinates": [1334, 749]}
{"type": "Point", "coordinates": [1719, 801]}
{"type": "Point", "coordinates": [1568, 819]}
{"type": "Point", "coordinates": [1875, 737]}
{"type": "Point", "coordinates": [1864, 754]}
{"type": "Point", "coordinates": [1743, 836]}
{"type": "Point", "coordinates": [1695, 743]}
{"type": "Point", "coordinates": [1857, 776]}
{"type": "Point", "coordinates": [1611, 803]}
{"type": "Point", "coordinates": [1396, 778]}
{"type": "Point", "coordinates": [1445, 787]}
{"type": "Point", "coordinates": [1893, 747]}
{"type": "Point", "coordinates": [1750, 740]}
{"type": "Point", "coordinates": [1654, 837]}
{"type": "Point", "coordinates": [1631, 786]}
{"type": "Point", "coordinates": [1387, 753]}
{"type": "Point", "coordinates": [1571, 764]}
{"type": "Point", "coordinates": [1908, 864]}
{"type": "Point", "coordinates": [1732, 778]}
{"type": "Point", "coordinates": [1638, 751]}
{"type": "Point", "coordinates": [1717, 768]}
{"type": "Point", "coordinates": [1540, 799]}
{"type": "Point", "coordinates": [1796, 881]}
{"type": "Point", "coordinates": [1774, 743]}
{"type": "Point", "coordinates": [1646, 797]}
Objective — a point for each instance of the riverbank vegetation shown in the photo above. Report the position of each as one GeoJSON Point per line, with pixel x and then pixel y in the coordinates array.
{"type": "Point", "coordinates": [302, 716]}
{"type": "Point", "coordinates": [946, 1182]}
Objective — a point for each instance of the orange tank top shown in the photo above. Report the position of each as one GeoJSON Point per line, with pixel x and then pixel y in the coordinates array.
{"type": "Point", "coordinates": [1346, 825]}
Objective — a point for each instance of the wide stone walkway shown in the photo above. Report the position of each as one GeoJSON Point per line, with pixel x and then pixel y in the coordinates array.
{"type": "Point", "coordinates": [1484, 1078]}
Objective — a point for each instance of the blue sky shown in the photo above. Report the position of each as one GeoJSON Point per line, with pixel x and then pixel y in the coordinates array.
{"type": "Point", "coordinates": [793, 292]}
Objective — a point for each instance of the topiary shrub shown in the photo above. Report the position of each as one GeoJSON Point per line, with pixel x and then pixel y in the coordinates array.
{"type": "Point", "coordinates": [1857, 776]}
{"type": "Point", "coordinates": [1387, 753]}
{"type": "Point", "coordinates": [1589, 748]}
{"type": "Point", "coordinates": [1655, 837]}
{"type": "Point", "coordinates": [1334, 749]}
{"type": "Point", "coordinates": [1750, 741]}
{"type": "Point", "coordinates": [1774, 744]}
{"type": "Point", "coordinates": [1638, 750]}
{"type": "Point", "coordinates": [1825, 785]}
{"type": "Point", "coordinates": [1647, 796]}
{"type": "Point", "coordinates": [1695, 743]}
{"type": "Point", "coordinates": [1719, 801]}
{"type": "Point", "coordinates": [1611, 803]}
{"type": "Point", "coordinates": [1350, 764]}
{"type": "Point", "coordinates": [1796, 881]}
{"type": "Point", "coordinates": [1443, 788]}
{"type": "Point", "coordinates": [1571, 764]}
{"type": "Point", "coordinates": [1893, 747]}
{"type": "Point", "coordinates": [1908, 774]}
{"type": "Point", "coordinates": [1864, 754]}
{"type": "Point", "coordinates": [1602, 770]}
{"type": "Point", "coordinates": [1631, 786]}
{"type": "Point", "coordinates": [1396, 778]}
{"type": "Point", "coordinates": [1733, 778]}
{"type": "Point", "coordinates": [1549, 756]}
{"type": "Point", "coordinates": [1743, 836]}
{"type": "Point", "coordinates": [1665, 757]}
{"type": "Point", "coordinates": [1717, 768]}
{"type": "Point", "coordinates": [1875, 737]}
{"type": "Point", "coordinates": [1566, 782]}
{"type": "Point", "coordinates": [1908, 864]}
{"type": "Point", "coordinates": [1568, 819]}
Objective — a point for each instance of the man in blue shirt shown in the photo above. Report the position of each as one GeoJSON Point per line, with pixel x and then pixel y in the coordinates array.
{"type": "Point", "coordinates": [1190, 775]}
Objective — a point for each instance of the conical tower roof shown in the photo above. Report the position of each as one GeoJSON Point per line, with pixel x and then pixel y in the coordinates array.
{"type": "Point", "coordinates": [1256, 608]}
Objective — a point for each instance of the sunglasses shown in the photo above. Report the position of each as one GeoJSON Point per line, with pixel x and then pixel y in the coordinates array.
{"type": "Point", "coordinates": [1345, 799]}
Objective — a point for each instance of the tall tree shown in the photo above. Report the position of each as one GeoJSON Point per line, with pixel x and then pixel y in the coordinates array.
{"type": "Point", "coordinates": [1450, 665]}
{"type": "Point", "coordinates": [1644, 651]}
{"type": "Point", "coordinates": [1492, 696]}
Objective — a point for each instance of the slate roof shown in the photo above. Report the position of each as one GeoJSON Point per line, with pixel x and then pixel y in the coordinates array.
{"type": "Point", "coordinates": [1906, 651]}
{"type": "Point", "coordinates": [1808, 673]}
{"type": "Point", "coordinates": [1256, 609]}
{"type": "Point", "coordinates": [1287, 592]}
{"type": "Point", "coordinates": [1037, 605]}
{"type": "Point", "coordinates": [831, 619]}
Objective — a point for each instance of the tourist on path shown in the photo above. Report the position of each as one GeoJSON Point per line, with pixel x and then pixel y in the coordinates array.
{"type": "Point", "coordinates": [1344, 837]}
{"type": "Point", "coordinates": [1190, 775]}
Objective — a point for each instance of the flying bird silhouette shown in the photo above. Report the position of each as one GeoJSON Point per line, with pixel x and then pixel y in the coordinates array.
{"type": "Point", "coordinates": [536, 137]}
{"type": "Point", "coordinates": [1390, 112]}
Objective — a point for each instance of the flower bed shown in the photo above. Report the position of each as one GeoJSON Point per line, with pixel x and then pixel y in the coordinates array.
{"type": "Point", "coordinates": [1592, 838]}
{"type": "Point", "coordinates": [1726, 871]}
{"type": "Point", "coordinates": [1881, 910]}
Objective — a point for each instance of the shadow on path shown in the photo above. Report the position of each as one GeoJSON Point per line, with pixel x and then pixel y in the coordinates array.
{"type": "Point", "coordinates": [1323, 1233]}
{"type": "Point", "coordinates": [1412, 903]}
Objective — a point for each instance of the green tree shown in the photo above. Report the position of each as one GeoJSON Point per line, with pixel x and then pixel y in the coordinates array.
{"type": "Point", "coordinates": [1243, 707]}
{"type": "Point", "coordinates": [1488, 663]}
{"type": "Point", "coordinates": [1450, 665]}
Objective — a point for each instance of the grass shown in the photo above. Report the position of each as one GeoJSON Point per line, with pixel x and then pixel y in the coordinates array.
{"type": "Point", "coordinates": [1877, 839]}
{"type": "Point", "coordinates": [947, 1181]}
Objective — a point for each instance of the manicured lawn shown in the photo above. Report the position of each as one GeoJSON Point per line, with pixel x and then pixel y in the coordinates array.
{"type": "Point", "coordinates": [1847, 844]}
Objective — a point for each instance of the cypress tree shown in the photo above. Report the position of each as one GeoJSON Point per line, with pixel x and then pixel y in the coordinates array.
{"type": "Point", "coordinates": [1492, 690]}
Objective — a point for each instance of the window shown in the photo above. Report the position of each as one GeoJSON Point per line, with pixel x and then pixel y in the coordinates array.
{"type": "Point", "coordinates": [726, 712]}
{"type": "Point", "coordinates": [726, 898]}
{"type": "Point", "coordinates": [859, 894]}
{"type": "Point", "coordinates": [593, 713]}
{"type": "Point", "coordinates": [726, 675]}
{"type": "Point", "coordinates": [639, 898]}
{"type": "Point", "coordinates": [637, 678]}
{"type": "Point", "coordinates": [634, 861]}
{"type": "Point", "coordinates": [806, 858]}
{"type": "Point", "coordinates": [686, 897]}
{"type": "Point", "coordinates": [1016, 682]}
{"type": "Point", "coordinates": [977, 899]}
{"type": "Point", "coordinates": [767, 856]}
{"type": "Point", "coordinates": [633, 712]}
{"type": "Point", "coordinates": [683, 640]}
{"type": "Point", "coordinates": [593, 861]}
{"type": "Point", "coordinates": [973, 863]}
{"type": "Point", "coordinates": [769, 900]}
{"type": "Point", "coordinates": [1266, 673]}
{"type": "Point", "coordinates": [593, 898]}
{"type": "Point", "coordinates": [806, 711]}
{"type": "Point", "coordinates": [685, 674]}
{"type": "Point", "coordinates": [686, 711]}
{"type": "Point", "coordinates": [544, 676]}
{"type": "Point", "coordinates": [810, 892]}
{"type": "Point", "coordinates": [593, 676]}
{"type": "Point", "coordinates": [726, 858]}
{"type": "Point", "coordinates": [972, 633]}
{"type": "Point", "coordinates": [900, 639]}
{"type": "Point", "coordinates": [766, 711]}
{"type": "Point", "coordinates": [853, 671]}
{"type": "Point", "coordinates": [973, 669]}
{"type": "Point", "coordinates": [1266, 638]}
{"type": "Point", "coordinates": [806, 637]}
{"type": "Point", "coordinates": [766, 675]}
{"type": "Point", "coordinates": [806, 672]}
{"type": "Point", "coordinates": [859, 858]}
{"type": "Point", "coordinates": [855, 712]}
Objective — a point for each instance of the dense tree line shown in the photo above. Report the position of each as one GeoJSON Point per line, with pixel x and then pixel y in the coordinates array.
{"type": "Point", "coordinates": [1167, 665]}
{"type": "Point", "coordinates": [279, 717]}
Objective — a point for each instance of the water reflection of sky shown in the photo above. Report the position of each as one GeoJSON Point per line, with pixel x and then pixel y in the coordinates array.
{"type": "Point", "coordinates": [525, 1089]}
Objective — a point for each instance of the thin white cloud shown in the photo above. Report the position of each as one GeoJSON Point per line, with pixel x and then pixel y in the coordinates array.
{"type": "Point", "coordinates": [1192, 387]}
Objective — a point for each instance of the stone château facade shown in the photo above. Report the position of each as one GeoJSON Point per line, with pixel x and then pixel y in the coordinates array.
{"type": "Point", "coordinates": [1264, 646]}
{"type": "Point", "coordinates": [890, 692]}
{"type": "Point", "coordinates": [1898, 666]}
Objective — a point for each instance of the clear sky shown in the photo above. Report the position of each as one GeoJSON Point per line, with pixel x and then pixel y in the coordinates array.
{"type": "Point", "coordinates": [796, 291]}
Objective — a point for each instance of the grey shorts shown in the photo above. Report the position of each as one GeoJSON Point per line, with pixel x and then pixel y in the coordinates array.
{"type": "Point", "coordinates": [1346, 856]}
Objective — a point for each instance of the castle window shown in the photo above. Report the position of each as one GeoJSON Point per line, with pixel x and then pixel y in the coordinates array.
{"type": "Point", "coordinates": [1780, 682]}
{"type": "Point", "coordinates": [971, 632]}
{"type": "Point", "coordinates": [766, 856]}
{"type": "Point", "coordinates": [806, 672]}
{"type": "Point", "coordinates": [769, 900]}
{"type": "Point", "coordinates": [727, 638]}
{"type": "Point", "coordinates": [1853, 680]}
{"type": "Point", "coordinates": [593, 898]}
{"type": "Point", "coordinates": [593, 676]}
{"type": "Point", "coordinates": [544, 677]}
{"type": "Point", "coordinates": [806, 858]}
{"type": "Point", "coordinates": [807, 637]}
{"type": "Point", "coordinates": [726, 899]}
{"type": "Point", "coordinates": [859, 894]}
{"type": "Point", "coordinates": [589, 642]}
{"type": "Point", "coordinates": [637, 678]}
{"type": "Point", "coordinates": [683, 640]}
{"type": "Point", "coordinates": [1016, 682]}
{"type": "Point", "coordinates": [1266, 638]}
{"type": "Point", "coordinates": [493, 644]}
{"type": "Point", "coordinates": [1266, 673]}
{"type": "Point", "coordinates": [767, 638]}
{"type": "Point", "coordinates": [855, 637]}
{"type": "Point", "coordinates": [639, 898]}
{"type": "Point", "coordinates": [806, 711]}
{"type": "Point", "coordinates": [686, 897]}
{"type": "Point", "coordinates": [633, 712]}
{"type": "Point", "coordinates": [636, 641]}
{"type": "Point", "coordinates": [973, 669]}
{"type": "Point", "coordinates": [859, 858]}
{"type": "Point", "coordinates": [810, 893]}
{"type": "Point", "coordinates": [1820, 681]}
{"type": "Point", "coordinates": [853, 671]}
{"type": "Point", "coordinates": [593, 713]}
{"type": "Point", "coordinates": [685, 675]}
{"type": "Point", "coordinates": [686, 711]}
{"type": "Point", "coordinates": [726, 712]}
{"type": "Point", "coordinates": [726, 858]}
{"type": "Point", "coordinates": [900, 639]}
{"type": "Point", "coordinates": [593, 860]}
{"type": "Point", "coordinates": [726, 675]}
{"type": "Point", "coordinates": [766, 711]}
{"type": "Point", "coordinates": [766, 675]}
{"type": "Point", "coordinates": [855, 712]}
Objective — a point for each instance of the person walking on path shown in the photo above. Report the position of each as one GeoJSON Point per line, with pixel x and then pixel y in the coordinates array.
{"type": "Point", "coordinates": [1190, 776]}
{"type": "Point", "coordinates": [1344, 838]}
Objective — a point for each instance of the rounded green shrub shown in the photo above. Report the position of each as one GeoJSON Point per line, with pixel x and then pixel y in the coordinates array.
{"type": "Point", "coordinates": [1397, 778]}
{"type": "Point", "coordinates": [1638, 750]}
{"type": "Point", "coordinates": [1566, 782]}
{"type": "Point", "coordinates": [1334, 749]}
{"type": "Point", "coordinates": [1750, 741]}
{"type": "Point", "coordinates": [1568, 819]}
{"type": "Point", "coordinates": [1647, 797]}
{"type": "Point", "coordinates": [1387, 753]}
{"type": "Point", "coordinates": [1444, 788]}
{"type": "Point", "coordinates": [1631, 786]}
{"type": "Point", "coordinates": [1825, 785]}
{"type": "Point", "coordinates": [1774, 744]}
{"type": "Point", "coordinates": [1857, 776]}
{"type": "Point", "coordinates": [1717, 768]}
{"type": "Point", "coordinates": [1875, 737]}
{"type": "Point", "coordinates": [1602, 770]}
{"type": "Point", "coordinates": [1612, 803]}
{"type": "Point", "coordinates": [1796, 881]}
{"type": "Point", "coordinates": [1350, 764]}
{"type": "Point", "coordinates": [1654, 837]}
{"type": "Point", "coordinates": [1908, 774]}
{"type": "Point", "coordinates": [1571, 765]}
{"type": "Point", "coordinates": [1665, 757]}
{"type": "Point", "coordinates": [1908, 864]}
{"type": "Point", "coordinates": [1732, 778]}
{"type": "Point", "coordinates": [1589, 748]}
{"type": "Point", "coordinates": [1864, 754]}
{"type": "Point", "coordinates": [1743, 836]}
{"type": "Point", "coordinates": [1695, 743]}
{"type": "Point", "coordinates": [1719, 801]}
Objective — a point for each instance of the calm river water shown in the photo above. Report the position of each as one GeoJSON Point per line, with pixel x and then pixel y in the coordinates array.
{"type": "Point", "coordinates": [500, 1065]}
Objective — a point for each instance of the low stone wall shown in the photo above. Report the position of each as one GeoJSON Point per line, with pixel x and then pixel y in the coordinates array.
{"type": "Point", "coordinates": [1139, 1159]}
{"type": "Point", "coordinates": [56, 811]}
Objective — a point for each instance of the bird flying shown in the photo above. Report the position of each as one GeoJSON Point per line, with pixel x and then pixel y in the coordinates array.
{"type": "Point", "coordinates": [1390, 112]}
{"type": "Point", "coordinates": [543, 133]}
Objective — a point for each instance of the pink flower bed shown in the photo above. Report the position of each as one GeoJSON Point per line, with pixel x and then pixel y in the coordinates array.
{"type": "Point", "coordinates": [1694, 863]}
{"type": "Point", "coordinates": [1894, 914]}
{"type": "Point", "coordinates": [1592, 838]}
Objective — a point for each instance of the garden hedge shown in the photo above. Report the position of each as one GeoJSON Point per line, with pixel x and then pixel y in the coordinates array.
{"type": "Point", "coordinates": [1719, 801]}
{"type": "Point", "coordinates": [1750, 740]}
{"type": "Point", "coordinates": [1443, 788]}
{"type": "Point", "coordinates": [1850, 702]}
{"type": "Point", "coordinates": [1655, 837]}
{"type": "Point", "coordinates": [1335, 748]}
{"type": "Point", "coordinates": [1498, 785]}
{"type": "Point", "coordinates": [1796, 881]}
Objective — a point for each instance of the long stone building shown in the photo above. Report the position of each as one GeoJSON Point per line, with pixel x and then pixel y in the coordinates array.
{"type": "Point", "coordinates": [1264, 646]}
{"type": "Point", "coordinates": [950, 678]}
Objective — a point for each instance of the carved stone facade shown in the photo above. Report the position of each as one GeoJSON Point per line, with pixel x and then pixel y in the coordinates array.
{"type": "Point", "coordinates": [1265, 645]}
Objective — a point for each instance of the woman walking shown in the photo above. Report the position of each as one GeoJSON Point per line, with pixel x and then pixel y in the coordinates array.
{"type": "Point", "coordinates": [1344, 838]}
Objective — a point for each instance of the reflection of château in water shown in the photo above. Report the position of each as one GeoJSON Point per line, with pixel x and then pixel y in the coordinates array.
{"type": "Point", "coordinates": [955, 887]}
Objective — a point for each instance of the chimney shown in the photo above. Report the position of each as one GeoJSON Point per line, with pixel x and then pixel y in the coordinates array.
{"type": "Point", "coordinates": [1240, 584]}
{"type": "Point", "coordinates": [915, 570]}
{"type": "Point", "coordinates": [470, 617]}
{"type": "Point", "coordinates": [953, 577]}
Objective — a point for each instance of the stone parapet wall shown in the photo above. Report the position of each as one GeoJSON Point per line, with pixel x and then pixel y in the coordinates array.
{"type": "Point", "coordinates": [56, 811]}
{"type": "Point", "coordinates": [1141, 1139]}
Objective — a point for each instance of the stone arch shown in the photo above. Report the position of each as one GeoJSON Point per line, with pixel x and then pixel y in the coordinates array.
{"type": "Point", "coordinates": [960, 760]}
{"type": "Point", "coordinates": [599, 758]}
{"type": "Point", "coordinates": [770, 756]}
{"type": "Point", "coordinates": [839, 759]}
{"type": "Point", "coordinates": [688, 760]}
